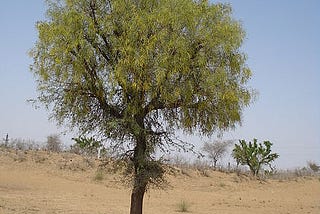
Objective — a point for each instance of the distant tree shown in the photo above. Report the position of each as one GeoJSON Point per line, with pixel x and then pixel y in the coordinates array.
{"type": "Point", "coordinates": [313, 166]}
{"type": "Point", "coordinates": [54, 143]}
{"type": "Point", "coordinates": [135, 71]}
{"type": "Point", "coordinates": [216, 150]}
{"type": "Point", "coordinates": [254, 155]}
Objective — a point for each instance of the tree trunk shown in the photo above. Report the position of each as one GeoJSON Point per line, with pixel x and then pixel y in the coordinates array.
{"type": "Point", "coordinates": [137, 199]}
{"type": "Point", "coordinates": [215, 164]}
{"type": "Point", "coordinates": [140, 174]}
{"type": "Point", "coordinates": [254, 170]}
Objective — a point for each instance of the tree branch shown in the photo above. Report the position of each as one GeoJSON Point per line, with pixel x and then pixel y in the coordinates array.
{"type": "Point", "coordinates": [98, 93]}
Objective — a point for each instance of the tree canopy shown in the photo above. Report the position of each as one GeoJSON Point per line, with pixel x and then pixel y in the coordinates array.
{"type": "Point", "coordinates": [135, 71]}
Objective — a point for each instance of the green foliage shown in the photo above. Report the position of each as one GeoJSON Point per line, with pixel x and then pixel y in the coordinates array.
{"type": "Point", "coordinates": [254, 155]}
{"type": "Point", "coordinates": [174, 62]}
{"type": "Point", "coordinates": [135, 71]}
{"type": "Point", "coordinates": [87, 143]}
{"type": "Point", "coordinates": [88, 146]}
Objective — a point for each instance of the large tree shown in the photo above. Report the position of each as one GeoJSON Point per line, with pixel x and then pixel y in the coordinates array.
{"type": "Point", "coordinates": [134, 71]}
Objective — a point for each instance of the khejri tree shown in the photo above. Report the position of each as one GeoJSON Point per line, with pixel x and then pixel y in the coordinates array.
{"type": "Point", "coordinates": [135, 71]}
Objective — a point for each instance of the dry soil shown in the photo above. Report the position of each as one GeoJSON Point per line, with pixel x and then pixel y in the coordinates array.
{"type": "Point", "coordinates": [49, 183]}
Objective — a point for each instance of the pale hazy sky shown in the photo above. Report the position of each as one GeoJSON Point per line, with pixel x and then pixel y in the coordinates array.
{"type": "Point", "coordinates": [283, 47]}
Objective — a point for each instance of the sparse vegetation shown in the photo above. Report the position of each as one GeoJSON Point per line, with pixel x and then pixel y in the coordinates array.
{"type": "Point", "coordinates": [294, 174]}
{"type": "Point", "coordinates": [96, 187]}
{"type": "Point", "coordinates": [199, 165]}
{"type": "Point", "coordinates": [181, 167]}
{"type": "Point", "coordinates": [20, 144]}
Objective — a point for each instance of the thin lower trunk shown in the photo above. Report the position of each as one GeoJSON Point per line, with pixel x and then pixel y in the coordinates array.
{"type": "Point", "coordinates": [254, 171]}
{"type": "Point", "coordinates": [137, 199]}
{"type": "Point", "coordinates": [215, 164]}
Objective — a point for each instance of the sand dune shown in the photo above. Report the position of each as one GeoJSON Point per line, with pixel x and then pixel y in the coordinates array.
{"type": "Point", "coordinates": [41, 182]}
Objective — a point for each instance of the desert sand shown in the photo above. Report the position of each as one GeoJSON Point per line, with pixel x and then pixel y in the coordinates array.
{"type": "Point", "coordinates": [50, 183]}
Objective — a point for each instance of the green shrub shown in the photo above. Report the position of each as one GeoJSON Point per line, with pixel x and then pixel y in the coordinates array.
{"type": "Point", "coordinates": [88, 146]}
{"type": "Point", "coordinates": [313, 166]}
{"type": "Point", "coordinates": [254, 155]}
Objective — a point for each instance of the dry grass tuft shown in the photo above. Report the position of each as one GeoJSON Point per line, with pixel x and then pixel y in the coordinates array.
{"type": "Point", "coordinates": [99, 175]}
{"type": "Point", "coordinates": [183, 206]}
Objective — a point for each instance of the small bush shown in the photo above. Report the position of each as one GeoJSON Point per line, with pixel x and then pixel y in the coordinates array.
{"type": "Point", "coordinates": [99, 175]}
{"type": "Point", "coordinates": [313, 166]}
{"type": "Point", "coordinates": [222, 185]}
{"type": "Point", "coordinates": [183, 206]}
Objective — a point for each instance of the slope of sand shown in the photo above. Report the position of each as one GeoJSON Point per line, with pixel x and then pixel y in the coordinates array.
{"type": "Point", "coordinates": [41, 182]}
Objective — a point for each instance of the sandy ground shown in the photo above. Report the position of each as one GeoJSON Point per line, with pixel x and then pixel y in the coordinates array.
{"type": "Point", "coordinates": [40, 182]}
